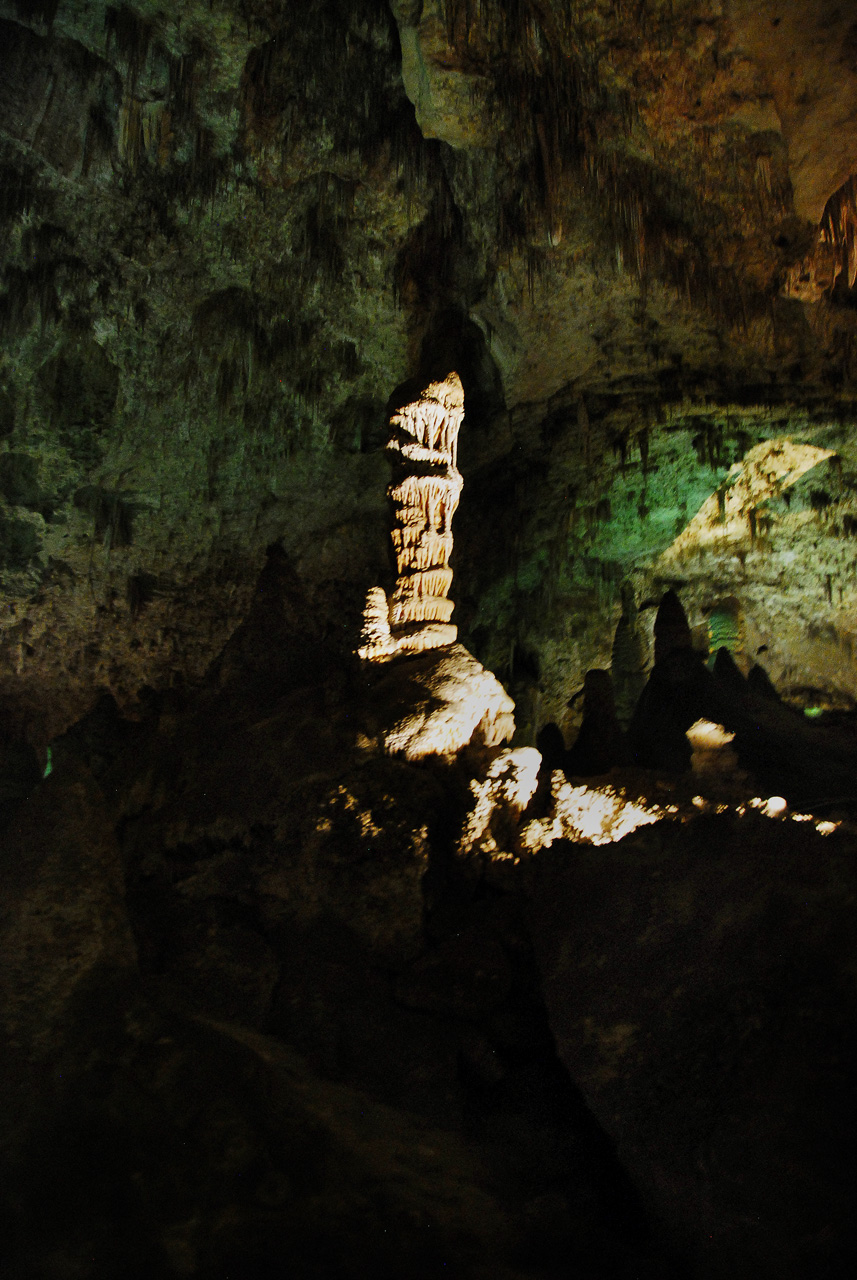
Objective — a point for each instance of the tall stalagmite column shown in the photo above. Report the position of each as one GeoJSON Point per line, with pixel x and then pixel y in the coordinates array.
{"type": "Point", "coordinates": [425, 491]}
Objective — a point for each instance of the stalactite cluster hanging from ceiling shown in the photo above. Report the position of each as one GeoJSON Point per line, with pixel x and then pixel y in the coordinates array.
{"type": "Point", "coordinates": [839, 229]}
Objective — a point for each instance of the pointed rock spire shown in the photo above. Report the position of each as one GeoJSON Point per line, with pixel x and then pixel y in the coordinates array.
{"type": "Point", "coordinates": [672, 630]}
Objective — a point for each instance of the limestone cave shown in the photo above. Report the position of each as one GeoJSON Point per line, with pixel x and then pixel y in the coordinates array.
{"type": "Point", "coordinates": [428, 639]}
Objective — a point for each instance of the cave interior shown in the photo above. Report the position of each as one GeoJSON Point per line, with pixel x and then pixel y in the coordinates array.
{"type": "Point", "coordinates": [428, 639]}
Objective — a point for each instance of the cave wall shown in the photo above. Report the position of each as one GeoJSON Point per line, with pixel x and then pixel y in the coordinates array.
{"type": "Point", "coordinates": [267, 992]}
{"type": "Point", "coordinates": [233, 229]}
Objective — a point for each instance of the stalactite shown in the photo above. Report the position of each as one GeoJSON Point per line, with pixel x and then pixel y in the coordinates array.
{"type": "Point", "coordinates": [327, 69]}
{"type": "Point", "coordinates": [41, 11]}
{"type": "Point", "coordinates": [425, 491]}
{"type": "Point", "coordinates": [643, 442]}
{"type": "Point", "coordinates": [547, 72]}
{"type": "Point", "coordinates": [37, 289]}
{"type": "Point", "coordinates": [140, 590]}
{"type": "Point", "coordinates": [112, 515]}
{"type": "Point", "coordinates": [763, 174]}
{"type": "Point", "coordinates": [132, 37]}
{"type": "Point", "coordinates": [18, 188]}
{"type": "Point", "coordinates": [839, 229]}
{"type": "Point", "coordinates": [583, 427]}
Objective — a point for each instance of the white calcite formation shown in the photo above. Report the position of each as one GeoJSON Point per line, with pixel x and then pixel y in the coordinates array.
{"type": "Point", "coordinates": [497, 802]}
{"type": "Point", "coordinates": [438, 704]}
{"type": "Point", "coordinates": [425, 491]}
{"type": "Point", "coordinates": [712, 756]}
{"type": "Point", "coordinates": [590, 815]}
{"type": "Point", "coordinates": [450, 702]}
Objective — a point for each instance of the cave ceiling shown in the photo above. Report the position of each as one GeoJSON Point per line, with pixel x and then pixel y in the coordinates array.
{"type": "Point", "coordinates": [231, 229]}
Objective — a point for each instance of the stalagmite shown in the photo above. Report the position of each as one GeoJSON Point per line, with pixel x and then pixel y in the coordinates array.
{"type": "Point", "coordinates": [444, 701]}
{"type": "Point", "coordinates": [376, 624]}
{"type": "Point", "coordinates": [672, 630]}
{"type": "Point", "coordinates": [423, 450]}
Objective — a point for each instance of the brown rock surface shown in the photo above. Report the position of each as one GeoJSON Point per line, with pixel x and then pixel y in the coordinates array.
{"type": "Point", "coordinates": [808, 52]}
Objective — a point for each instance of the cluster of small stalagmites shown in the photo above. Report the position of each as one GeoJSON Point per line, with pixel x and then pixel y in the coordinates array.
{"type": "Point", "coordinates": [425, 491]}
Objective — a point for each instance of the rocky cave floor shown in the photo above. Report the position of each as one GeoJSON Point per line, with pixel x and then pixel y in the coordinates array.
{"type": "Point", "coordinates": [262, 1021]}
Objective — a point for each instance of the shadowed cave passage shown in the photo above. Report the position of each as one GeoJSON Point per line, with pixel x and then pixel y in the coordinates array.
{"type": "Point", "coordinates": [289, 934]}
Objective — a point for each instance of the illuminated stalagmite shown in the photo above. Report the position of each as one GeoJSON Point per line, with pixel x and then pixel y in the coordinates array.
{"type": "Point", "coordinates": [446, 701]}
{"type": "Point", "coordinates": [425, 491]}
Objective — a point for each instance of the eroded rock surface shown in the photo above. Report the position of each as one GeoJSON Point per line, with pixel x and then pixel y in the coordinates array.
{"type": "Point", "coordinates": [228, 236]}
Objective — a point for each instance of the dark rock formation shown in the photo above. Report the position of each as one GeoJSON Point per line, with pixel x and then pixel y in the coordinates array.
{"type": "Point", "coordinates": [627, 666]}
{"type": "Point", "coordinates": [672, 630]}
{"type": "Point", "coordinates": [726, 669]}
{"type": "Point", "coordinates": [600, 744]}
{"type": "Point", "coordinates": [19, 773]}
{"type": "Point", "coordinates": [288, 893]}
{"type": "Point", "coordinates": [69, 960]}
{"type": "Point", "coordinates": [679, 691]}
{"type": "Point", "coordinates": [760, 683]}
{"type": "Point", "coordinates": [551, 744]}
{"type": "Point", "coordinates": [715, 1056]}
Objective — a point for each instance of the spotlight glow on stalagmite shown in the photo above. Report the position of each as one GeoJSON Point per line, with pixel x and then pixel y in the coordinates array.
{"type": "Point", "coordinates": [427, 484]}
{"type": "Point", "coordinates": [449, 700]}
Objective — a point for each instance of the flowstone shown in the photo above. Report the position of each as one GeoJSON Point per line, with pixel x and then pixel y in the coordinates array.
{"type": "Point", "coordinates": [436, 704]}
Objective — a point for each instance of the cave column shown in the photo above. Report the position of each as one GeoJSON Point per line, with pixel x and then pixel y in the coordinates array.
{"type": "Point", "coordinates": [426, 487]}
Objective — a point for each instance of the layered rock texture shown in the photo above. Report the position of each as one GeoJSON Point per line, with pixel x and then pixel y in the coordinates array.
{"type": "Point", "coordinates": [436, 707]}
{"type": "Point", "coordinates": [424, 495]}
